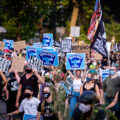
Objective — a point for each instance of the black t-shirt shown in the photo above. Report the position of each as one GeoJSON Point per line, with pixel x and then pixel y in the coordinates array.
{"type": "Point", "coordinates": [32, 81]}
{"type": "Point", "coordinates": [1, 86]}
{"type": "Point", "coordinates": [12, 87]}
{"type": "Point", "coordinates": [48, 111]}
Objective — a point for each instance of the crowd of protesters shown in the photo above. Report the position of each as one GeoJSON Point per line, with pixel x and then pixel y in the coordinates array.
{"type": "Point", "coordinates": [45, 96]}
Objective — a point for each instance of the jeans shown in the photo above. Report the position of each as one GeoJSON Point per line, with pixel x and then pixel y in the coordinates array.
{"type": "Point", "coordinates": [73, 102]}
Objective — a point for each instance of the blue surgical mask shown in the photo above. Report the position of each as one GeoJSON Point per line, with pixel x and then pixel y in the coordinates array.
{"type": "Point", "coordinates": [112, 72]}
{"type": "Point", "coordinates": [51, 77]}
{"type": "Point", "coordinates": [88, 79]}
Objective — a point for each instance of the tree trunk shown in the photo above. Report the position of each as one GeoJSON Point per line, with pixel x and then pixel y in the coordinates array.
{"type": "Point", "coordinates": [40, 28]}
{"type": "Point", "coordinates": [18, 37]}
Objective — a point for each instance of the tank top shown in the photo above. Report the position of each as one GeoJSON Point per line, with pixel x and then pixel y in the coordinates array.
{"type": "Point", "coordinates": [93, 88]}
{"type": "Point", "coordinates": [77, 84]}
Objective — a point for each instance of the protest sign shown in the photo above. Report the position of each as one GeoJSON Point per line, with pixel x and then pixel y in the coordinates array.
{"type": "Point", "coordinates": [19, 45]}
{"type": "Point", "coordinates": [8, 43]}
{"type": "Point", "coordinates": [2, 46]}
{"type": "Point", "coordinates": [49, 58]}
{"type": "Point", "coordinates": [47, 40]}
{"type": "Point", "coordinates": [105, 74]}
{"type": "Point", "coordinates": [39, 45]}
{"type": "Point", "coordinates": [18, 64]}
{"type": "Point", "coordinates": [75, 61]}
{"type": "Point", "coordinates": [75, 31]}
{"type": "Point", "coordinates": [84, 48]}
{"type": "Point", "coordinates": [31, 51]}
{"type": "Point", "coordinates": [66, 45]}
{"type": "Point", "coordinates": [4, 64]}
{"type": "Point", "coordinates": [29, 117]}
{"type": "Point", "coordinates": [58, 49]}
{"type": "Point", "coordinates": [46, 49]}
{"type": "Point", "coordinates": [35, 64]}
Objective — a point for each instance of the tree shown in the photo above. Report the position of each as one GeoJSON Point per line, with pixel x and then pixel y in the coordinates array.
{"type": "Point", "coordinates": [23, 18]}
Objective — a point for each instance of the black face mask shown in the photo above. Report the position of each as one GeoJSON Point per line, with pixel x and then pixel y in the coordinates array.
{"type": "Point", "coordinates": [27, 95]}
{"type": "Point", "coordinates": [28, 71]}
{"type": "Point", "coordinates": [88, 79]}
{"type": "Point", "coordinates": [46, 95]}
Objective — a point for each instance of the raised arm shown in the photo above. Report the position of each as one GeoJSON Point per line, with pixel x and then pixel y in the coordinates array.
{"type": "Point", "coordinates": [17, 76]}
{"type": "Point", "coordinates": [71, 75]}
{"type": "Point", "coordinates": [4, 78]}
{"type": "Point", "coordinates": [41, 79]}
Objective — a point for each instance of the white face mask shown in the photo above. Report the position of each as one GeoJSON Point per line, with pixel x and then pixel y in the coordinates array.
{"type": "Point", "coordinates": [94, 63]}
{"type": "Point", "coordinates": [84, 108]}
{"type": "Point", "coordinates": [92, 58]}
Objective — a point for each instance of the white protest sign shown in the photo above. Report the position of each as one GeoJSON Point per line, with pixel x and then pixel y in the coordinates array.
{"type": "Point", "coordinates": [58, 49]}
{"type": "Point", "coordinates": [35, 63]}
{"type": "Point", "coordinates": [66, 45]}
{"type": "Point", "coordinates": [75, 31]}
{"type": "Point", "coordinates": [4, 65]}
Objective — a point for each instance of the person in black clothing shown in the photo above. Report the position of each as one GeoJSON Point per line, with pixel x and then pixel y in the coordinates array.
{"type": "Point", "coordinates": [30, 78]}
{"type": "Point", "coordinates": [48, 108]}
{"type": "Point", "coordinates": [11, 92]}
{"type": "Point", "coordinates": [85, 110]}
{"type": "Point", "coordinates": [3, 82]}
{"type": "Point", "coordinates": [90, 85]}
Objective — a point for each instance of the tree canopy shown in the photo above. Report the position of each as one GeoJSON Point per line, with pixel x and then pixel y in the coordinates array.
{"type": "Point", "coordinates": [24, 18]}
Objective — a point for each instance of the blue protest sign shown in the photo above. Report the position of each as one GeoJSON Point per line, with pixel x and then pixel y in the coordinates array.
{"type": "Point", "coordinates": [48, 58]}
{"type": "Point", "coordinates": [31, 51]}
{"type": "Point", "coordinates": [47, 40]}
{"type": "Point", "coordinates": [39, 45]}
{"type": "Point", "coordinates": [75, 61]}
{"type": "Point", "coordinates": [46, 49]}
{"type": "Point", "coordinates": [8, 43]}
{"type": "Point", "coordinates": [29, 117]}
{"type": "Point", "coordinates": [105, 74]}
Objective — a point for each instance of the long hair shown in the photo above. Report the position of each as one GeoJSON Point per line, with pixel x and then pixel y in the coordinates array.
{"type": "Point", "coordinates": [54, 99]}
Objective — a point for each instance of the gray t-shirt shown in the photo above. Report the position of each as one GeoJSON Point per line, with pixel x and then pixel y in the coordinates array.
{"type": "Point", "coordinates": [29, 106]}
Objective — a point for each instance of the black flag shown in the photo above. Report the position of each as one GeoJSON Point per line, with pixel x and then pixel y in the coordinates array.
{"type": "Point", "coordinates": [99, 40]}
{"type": "Point", "coordinates": [96, 32]}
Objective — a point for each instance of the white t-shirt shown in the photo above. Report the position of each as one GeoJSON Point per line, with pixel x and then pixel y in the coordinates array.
{"type": "Point", "coordinates": [29, 106]}
{"type": "Point", "coordinates": [77, 84]}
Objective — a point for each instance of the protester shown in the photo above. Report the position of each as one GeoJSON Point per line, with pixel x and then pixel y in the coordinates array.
{"type": "Point", "coordinates": [61, 96]}
{"type": "Point", "coordinates": [29, 104]}
{"type": "Point", "coordinates": [11, 91]}
{"type": "Point", "coordinates": [85, 110]}
{"type": "Point", "coordinates": [77, 83]}
{"type": "Point", "coordinates": [111, 85]}
{"type": "Point", "coordinates": [91, 85]}
{"type": "Point", "coordinates": [114, 102]}
{"type": "Point", "coordinates": [3, 82]}
{"type": "Point", "coordinates": [48, 107]}
{"type": "Point", "coordinates": [28, 79]}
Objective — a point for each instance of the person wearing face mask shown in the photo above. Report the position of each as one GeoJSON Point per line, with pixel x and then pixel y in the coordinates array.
{"type": "Point", "coordinates": [77, 83]}
{"type": "Point", "coordinates": [111, 85]}
{"type": "Point", "coordinates": [86, 108]}
{"type": "Point", "coordinates": [28, 79]}
{"type": "Point", "coordinates": [29, 104]}
{"type": "Point", "coordinates": [48, 107]}
{"type": "Point", "coordinates": [91, 85]}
